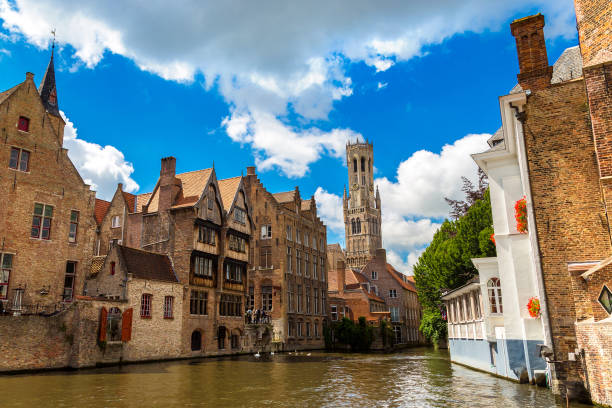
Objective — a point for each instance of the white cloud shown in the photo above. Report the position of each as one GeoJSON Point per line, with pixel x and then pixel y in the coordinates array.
{"type": "Point", "coordinates": [329, 209]}
{"type": "Point", "coordinates": [101, 167]}
{"type": "Point", "coordinates": [425, 178]}
{"type": "Point", "coordinates": [266, 59]}
{"type": "Point", "coordinates": [382, 85]}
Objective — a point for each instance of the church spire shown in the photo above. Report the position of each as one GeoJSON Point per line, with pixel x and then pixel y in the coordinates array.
{"type": "Point", "coordinates": [47, 89]}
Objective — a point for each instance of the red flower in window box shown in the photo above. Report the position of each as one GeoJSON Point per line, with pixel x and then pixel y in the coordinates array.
{"type": "Point", "coordinates": [520, 214]}
{"type": "Point", "coordinates": [533, 307]}
{"type": "Point", "coordinates": [493, 239]}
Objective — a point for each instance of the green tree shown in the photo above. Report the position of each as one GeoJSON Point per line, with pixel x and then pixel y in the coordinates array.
{"type": "Point", "coordinates": [446, 263]}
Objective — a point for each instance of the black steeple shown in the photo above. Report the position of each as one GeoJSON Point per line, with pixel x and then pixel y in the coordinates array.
{"type": "Point", "coordinates": [47, 90]}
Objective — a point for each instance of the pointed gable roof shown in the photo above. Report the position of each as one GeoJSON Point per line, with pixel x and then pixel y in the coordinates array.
{"type": "Point", "coordinates": [48, 90]}
{"type": "Point", "coordinates": [100, 209]}
{"type": "Point", "coordinates": [142, 200]}
{"type": "Point", "coordinates": [396, 275]}
{"type": "Point", "coordinates": [192, 188]}
{"type": "Point", "coordinates": [6, 94]}
{"type": "Point", "coordinates": [130, 201]}
{"type": "Point", "coordinates": [228, 188]}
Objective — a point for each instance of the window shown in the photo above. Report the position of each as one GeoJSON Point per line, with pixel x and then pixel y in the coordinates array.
{"type": "Point", "coordinates": [74, 224]}
{"type": "Point", "coordinates": [322, 269]}
{"type": "Point", "coordinates": [198, 302]}
{"type": "Point", "coordinates": [392, 293]}
{"type": "Point", "coordinates": [112, 268]}
{"type": "Point", "coordinates": [266, 231]}
{"type": "Point", "coordinates": [297, 236]}
{"type": "Point", "coordinates": [316, 301]}
{"type": "Point", "coordinates": [251, 298]}
{"type": "Point", "coordinates": [316, 328]}
{"type": "Point", "coordinates": [168, 305]}
{"type": "Point", "coordinates": [145, 305]}
{"type": "Point", "coordinates": [203, 267]}
{"type": "Point", "coordinates": [298, 262]}
{"type": "Point", "coordinates": [300, 295]}
{"type": "Point", "coordinates": [307, 300]}
{"type": "Point", "coordinates": [397, 330]}
{"type": "Point", "coordinates": [221, 332]}
{"type": "Point", "coordinates": [306, 239]}
{"type": "Point", "coordinates": [394, 314]}
{"type": "Point", "coordinates": [41, 221]}
{"type": "Point", "coordinates": [354, 165]}
{"type": "Point", "coordinates": [363, 180]}
{"type": "Point", "coordinates": [291, 328]}
{"type": "Point", "coordinates": [20, 159]}
{"type": "Point", "coordinates": [362, 164]}
{"type": "Point", "coordinates": [69, 281]}
{"type": "Point", "coordinates": [113, 324]}
{"type": "Point", "coordinates": [375, 289]}
{"type": "Point", "coordinates": [306, 265]}
{"type": "Point", "coordinates": [605, 299]}
{"type": "Point", "coordinates": [234, 271]}
{"type": "Point", "coordinates": [495, 296]}
{"type": "Point", "coordinates": [239, 215]}
{"type": "Point", "coordinates": [334, 312]}
{"type": "Point", "coordinates": [211, 198]}
{"type": "Point", "coordinates": [314, 267]}
{"type": "Point", "coordinates": [230, 305]}
{"type": "Point", "coordinates": [307, 329]}
{"type": "Point", "coordinates": [289, 233]}
{"type": "Point", "coordinates": [237, 243]}
{"type": "Point", "coordinates": [265, 257]}
{"type": "Point", "coordinates": [314, 242]}
{"type": "Point", "coordinates": [299, 329]}
{"type": "Point", "coordinates": [290, 297]}
{"type": "Point", "coordinates": [289, 261]}
{"type": "Point", "coordinates": [374, 275]}
{"type": "Point", "coordinates": [23, 124]}
{"type": "Point", "coordinates": [6, 266]}
{"type": "Point", "coordinates": [115, 222]}
{"type": "Point", "coordinates": [323, 305]}
{"type": "Point", "coordinates": [266, 298]}
{"type": "Point", "coordinates": [206, 235]}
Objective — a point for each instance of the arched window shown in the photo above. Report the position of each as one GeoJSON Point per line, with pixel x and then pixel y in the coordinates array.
{"type": "Point", "coordinates": [370, 165]}
{"type": "Point", "coordinates": [363, 164]}
{"type": "Point", "coordinates": [358, 226]}
{"type": "Point", "coordinates": [495, 295]}
{"type": "Point", "coordinates": [196, 340]}
{"type": "Point", "coordinates": [355, 165]}
{"type": "Point", "coordinates": [353, 226]}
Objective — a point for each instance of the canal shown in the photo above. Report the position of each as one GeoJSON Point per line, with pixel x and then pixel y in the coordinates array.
{"type": "Point", "coordinates": [416, 378]}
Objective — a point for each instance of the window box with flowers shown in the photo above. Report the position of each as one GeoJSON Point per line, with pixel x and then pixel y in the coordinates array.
{"type": "Point", "coordinates": [520, 214]}
{"type": "Point", "coordinates": [533, 307]}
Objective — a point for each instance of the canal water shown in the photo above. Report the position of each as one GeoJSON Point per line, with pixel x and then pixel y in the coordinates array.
{"type": "Point", "coordinates": [415, 378]}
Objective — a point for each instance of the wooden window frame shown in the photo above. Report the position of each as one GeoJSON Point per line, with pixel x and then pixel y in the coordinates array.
{"type": "Point", "coordinates": [19, 160]}
{"type": "Point", "coordinates": [23, 124]}
{"type": "Point", "coordinates": [42, 217]}
{"type": "Point", "coordinates": [168, 307]}
{"type": "Point", "coordinates": [198, 303]}
{"type": "Point", "coordinates": [75, 224]}
{"type": "Point", "coordinates": [6, 269]}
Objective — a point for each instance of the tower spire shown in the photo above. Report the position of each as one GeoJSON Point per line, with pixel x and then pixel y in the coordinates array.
{"type": "Point", "coordinates": [47, 88]}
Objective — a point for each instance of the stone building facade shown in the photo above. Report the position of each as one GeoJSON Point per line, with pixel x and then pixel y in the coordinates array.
{"type": "Point", "coordinates": [362, 217]}
{"type": "Point", "coordinates": [46, 217]}
{"type": "Point", "coordinates": [112, 220]}
{"type": "Point", "coordinates": [563, 124]}
{"type": "Point", "coordinates": [204, 225]}
{"type": "Point", "coordinates": [399, 295]}
{"type": "Point", "coordinates": [288, 276]}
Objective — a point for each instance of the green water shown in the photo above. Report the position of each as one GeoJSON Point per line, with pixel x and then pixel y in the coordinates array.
{"type": "Point", "coordinates": [416, 378]}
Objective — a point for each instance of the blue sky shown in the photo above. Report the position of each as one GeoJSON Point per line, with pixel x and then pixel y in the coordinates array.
{"type": "Point", "coordinates": [283, 89]}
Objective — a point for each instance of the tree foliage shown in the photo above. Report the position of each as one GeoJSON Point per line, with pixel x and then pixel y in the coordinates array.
{"type": "Point", "coordinates": [358, 336]}
{"type": "Point", "coordinates": [472, 194]}
{"type": "Point", "coordinates": [446, 263]}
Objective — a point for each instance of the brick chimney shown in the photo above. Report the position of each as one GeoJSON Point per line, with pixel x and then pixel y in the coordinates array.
{"type": "Point", "coordinates": [250, 170]}
{"type": "Point", "coordinates": [381, 256]}
{"type": "Point", "coordinates": [535, 73]}
{"type": "Point", "coordinates": [341, 275]}
{"type": "Point", "coordinates": [169, 185]}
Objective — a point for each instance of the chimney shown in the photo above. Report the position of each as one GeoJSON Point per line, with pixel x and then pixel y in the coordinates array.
{"type": "Point", "coordinates": [535, 73]}
{"type": "Point", "coordinates": [381, 256]}
{"type": "Point", "coordinates": [29, 75]}
{"type": "Point", "coordinates": [169, 185]}
{"type": "Point", "coordinates": [250, 170]}
{"type": "Point", "coordinates": [341, 275]}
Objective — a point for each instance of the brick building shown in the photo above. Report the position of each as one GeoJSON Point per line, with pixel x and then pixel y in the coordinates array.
{"type": "Point", "coordinates": [204, 225]}
{"type": "Point", "coordinates": [362, 217]}
{"type": "Point", "coordinates": [288, 278]}
{"type": "Point", "coordinates": [46, 218]}
{"type": "Point", "coordinates": [112, 219]}
{"type": "Point", "coordinates": [566, 129]}
{"type": "Point", "coordinates": [400, 296]}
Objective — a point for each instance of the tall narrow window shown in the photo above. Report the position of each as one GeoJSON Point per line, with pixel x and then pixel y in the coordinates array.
{"type": "Point", "coordinates": [314, 267]}
{"type": "Point", "coordinates": [74, 224]}
{"type": "Point", "coordinates": [374, 275]}
{"type": "Point", "coordinates": [323, 272]}
{"type": "Point", "coordinates": [495, 295]}
{"type": "Point", "coordinates": [239, 215]}
{"type": "Point", "coordinates": [266, 298]}
{"type": "Point", "coordinates": [306, 265]}
{"type": "Point", "coordinates": [289, 233]}
{"type": "Point", "coordinates": [358, 226]}
{"type": "Point", "coordinates": [115, 222]}
{"type": "Point", "coordinates": [323, 303]}
{"type": "Point", "coordinates": [334, 312]}
{"type": "Point", "coordinates": [20, 159]}
{"type": "Point", "coordinates": [354, 165]}
{"type": "Point", "coordinates": [289, 260]}
{"type": "Point", "coordinates": [69, 281]}
{"type": "Point", "coordinates": [362, 164]}
{"type": "Point", "coordinates": [298, 262]}
{"type": "Point", "coordinates": [168, 307]}
{"type": "Point", "coordinates": [290, 296]}
{"type": "Point", "coordinates": [316, 301]}
{"type": "Point", "coordinates": [251, 299]}
{"type": "Point", "coordinates": [265, 257]}
{"type": "Point", "coordinates": [308, 299]}
{"type": "Point", "coordinates": [41, 221]}
{"type": "Point", "coordinates": [23, 124]}
{"type": "Point", "coordinates": [6, 265]}
{"type": "Point", "coordinates": [299, 298]}
{"type": "Point", "coordinates": [145, 305]}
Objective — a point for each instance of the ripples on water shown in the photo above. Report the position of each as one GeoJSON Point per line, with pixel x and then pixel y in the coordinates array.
{"type": "Point", "coordinates": [416, 378]}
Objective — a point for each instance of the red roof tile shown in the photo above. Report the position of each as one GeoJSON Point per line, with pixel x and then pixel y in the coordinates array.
{"type": "Point", "coordinates": [100, 210]}
{"type": "Point", "coordinates": [130, 200]}
{"type": "Point", "coordinates": [396, 275]}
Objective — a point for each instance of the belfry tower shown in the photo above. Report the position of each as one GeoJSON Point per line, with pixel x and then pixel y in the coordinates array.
{"type": "Point", "coordinates": [362, 218]}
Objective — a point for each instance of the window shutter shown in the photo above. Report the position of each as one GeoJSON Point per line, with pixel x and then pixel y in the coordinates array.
{"type": "Point", "coordinates": [103, 319]}
{"type": "Point", "coordinates": [126, 325]}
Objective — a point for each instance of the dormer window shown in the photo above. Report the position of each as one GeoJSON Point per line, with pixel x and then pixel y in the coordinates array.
{"type": "Point", "coordinates": [23, 124]}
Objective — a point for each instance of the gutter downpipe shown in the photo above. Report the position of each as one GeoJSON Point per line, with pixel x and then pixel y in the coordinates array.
{"type": "Point", "coordinates": [533, 234]}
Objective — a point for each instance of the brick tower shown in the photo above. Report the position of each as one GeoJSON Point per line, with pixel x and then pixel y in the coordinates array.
{"type": "Point", "coordinates": [361, 206]}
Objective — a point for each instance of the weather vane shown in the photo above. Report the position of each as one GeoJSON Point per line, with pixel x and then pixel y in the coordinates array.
{"type": "Point", "coordinates": [53, 44]}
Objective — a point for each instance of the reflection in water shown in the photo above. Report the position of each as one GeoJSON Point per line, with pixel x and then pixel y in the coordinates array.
{"type": "Point", "coordinates": [416, 378]}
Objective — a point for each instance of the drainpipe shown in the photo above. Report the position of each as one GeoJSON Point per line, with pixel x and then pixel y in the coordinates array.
{"type": "Point", "coordinates": [533, 233]}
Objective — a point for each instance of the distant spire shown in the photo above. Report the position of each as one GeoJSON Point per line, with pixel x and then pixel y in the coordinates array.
{"type": "Point", "coordinates": [47, 89]}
